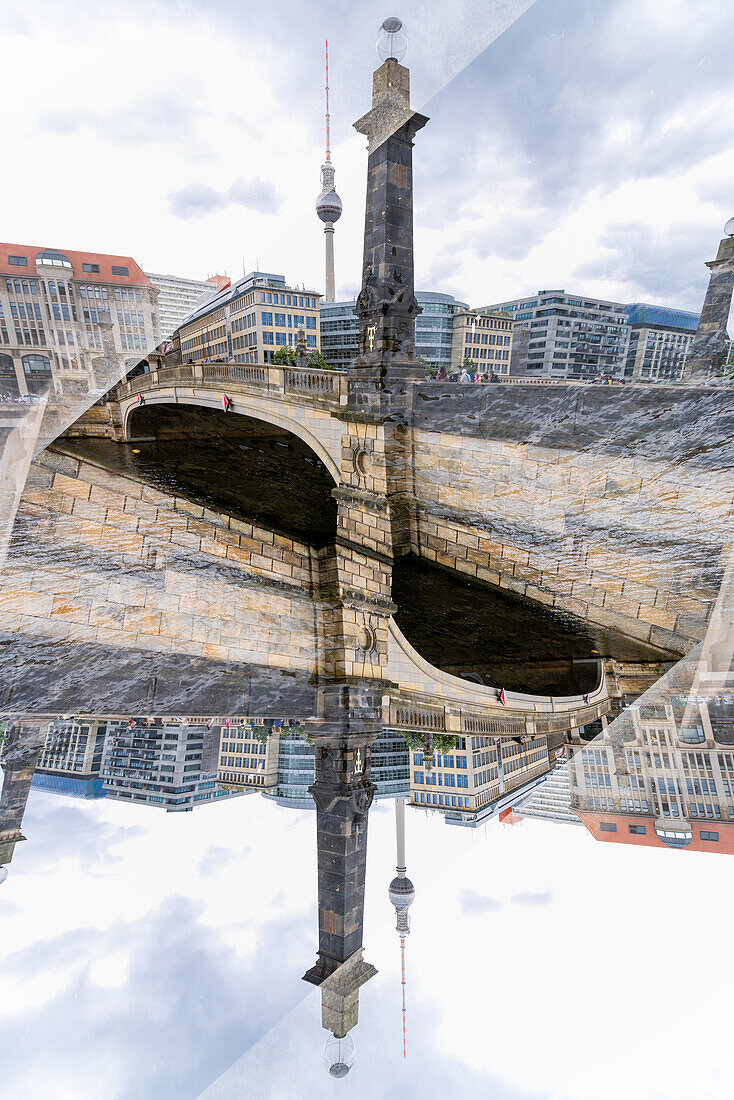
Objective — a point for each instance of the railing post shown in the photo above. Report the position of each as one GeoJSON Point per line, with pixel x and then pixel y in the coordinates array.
{"type": "Point", "coordinates": [276, 378]}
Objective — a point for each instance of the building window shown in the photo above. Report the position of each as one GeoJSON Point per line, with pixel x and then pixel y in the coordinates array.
{"type": "Point", "coordinates": [607, 827]}
{"type": "Point", "coordinates": [266, 318]}
{"type": "Point", "coordinates": [638, 829]}
{"type": "Point", "coordinates": [36, 364]}
{"type": "Point", "coordinates": [709, 835]}
{"type": "Point", "coordinates": [119, 270]}
{"type": "Point", "coordinates": [18, 261]}
{"type": "Point", "coordinates": [93, 269]}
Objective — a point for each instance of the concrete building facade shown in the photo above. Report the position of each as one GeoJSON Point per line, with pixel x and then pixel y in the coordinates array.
{"type": "Point", "coordinates": [569, 336]}
{"type": "Point", "coordinates": [161, 763]}
{"type": "Point", "coordinates": [63, 315]}
{"type": "Point", "coordinates": [249, 321]}
{"type": "Point", "coordinates": [179, 297]}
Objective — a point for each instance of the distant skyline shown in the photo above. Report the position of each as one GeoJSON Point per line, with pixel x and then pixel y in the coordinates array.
{"type": "Point", "coordinates": [590, 146]}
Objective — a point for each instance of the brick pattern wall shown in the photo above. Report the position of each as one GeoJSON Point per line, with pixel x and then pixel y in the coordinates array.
{"type": "Point", "coordinates": [633, 544]}
{"type": "Point", "coordinates": [102, 558]}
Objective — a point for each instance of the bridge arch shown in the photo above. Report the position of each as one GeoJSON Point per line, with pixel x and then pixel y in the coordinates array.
{"type": "Point", "coordinates": [326, 445]}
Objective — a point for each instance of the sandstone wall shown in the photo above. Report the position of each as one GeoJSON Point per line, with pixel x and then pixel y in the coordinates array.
{"type": "Point", "coordinates": [614, 505]}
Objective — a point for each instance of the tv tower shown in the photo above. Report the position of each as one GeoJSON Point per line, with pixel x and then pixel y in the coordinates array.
{"type": "Point", "coordinates": [328, 204]}
{"type": "Point", "coordinates": [402, 896]}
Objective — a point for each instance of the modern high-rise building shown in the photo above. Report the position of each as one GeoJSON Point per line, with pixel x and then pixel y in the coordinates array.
{"type": "Point", "coordinates": [658, 342]}
{"type": "Point", "coordinates": [434, 330]}
{"type": "Point", "coordinates": [296, 766]}
{"type": "Point", "coordinates": [248, 321]}
{"type": "Point", "coordinates": [178, 297]}
{"type": "Point", "coordinates": [64, 314]}
{"type": "Point", "coordinates": [571, 337]}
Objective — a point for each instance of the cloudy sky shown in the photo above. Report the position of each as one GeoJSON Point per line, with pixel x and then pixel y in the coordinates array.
{"type": "Point", "coordinates": [585, 144]}
{"type": "Point", "coordinates": [153, 956]}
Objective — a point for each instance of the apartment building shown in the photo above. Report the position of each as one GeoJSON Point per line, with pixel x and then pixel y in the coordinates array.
{"type": "Point", "coordinates": [71, 759]}
{"type": "Point", "coordinates": [72, 321]}
{"type": "Point", "coordinates": [159, 762]}
{"type": "Point", "coordinates": [249, 751]}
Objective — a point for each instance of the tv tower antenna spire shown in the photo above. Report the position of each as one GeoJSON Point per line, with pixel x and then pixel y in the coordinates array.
{"type": "Point", "coordinates": [328, 137]}
{"type": "Point", "coordinates": [402, 896]}
{"type": "Point", "coordinates": [328, 204]}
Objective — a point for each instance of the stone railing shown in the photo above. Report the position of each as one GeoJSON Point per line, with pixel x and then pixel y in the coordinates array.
{"type": "Point", "coordinates": [322, 385]}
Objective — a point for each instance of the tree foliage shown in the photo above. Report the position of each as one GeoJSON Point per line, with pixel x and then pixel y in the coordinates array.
{"type": "Point", "coordinates": [316, 361]}
{"type": "Point", "coordinates": [285, 356]}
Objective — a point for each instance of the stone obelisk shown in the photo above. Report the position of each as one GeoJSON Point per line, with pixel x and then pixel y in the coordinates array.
{"type": "Point", "coordinates": [386, 305]}
{"type": "Point", "coordinates": [710, 347]}
{"type": "Point", "coordinates": [343, 793]}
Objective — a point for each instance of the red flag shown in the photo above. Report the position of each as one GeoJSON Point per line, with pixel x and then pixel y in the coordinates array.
{"type": "Point", "coordinates": [587, 699]}
{"type": "Point", "coordinates": [225, 402]}
{"type": "Point", "coordinates": [502, 697]}
{"type": "Point", "coordinates": [139, 399]}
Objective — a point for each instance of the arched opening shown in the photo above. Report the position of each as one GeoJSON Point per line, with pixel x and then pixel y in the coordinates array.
{"type": "Point", "coordinates": [37, 371]}
{"type": "Point", "coordinates": [491, 636]}
{"type": "Point", "coordinates": [8, 379]}
{"type": "Point", "coordinates": [255, 471]}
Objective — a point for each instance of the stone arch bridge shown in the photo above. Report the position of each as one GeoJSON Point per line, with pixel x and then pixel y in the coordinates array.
{"type": "Point", "coordinates": [484, 483]}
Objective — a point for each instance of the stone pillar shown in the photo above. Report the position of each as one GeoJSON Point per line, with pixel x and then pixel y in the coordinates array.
{"type": "Point", "coordinates": [20, 753]}
{"type": "Point", "coordinates": [350, 719]}
{"type": "Point", "coordinates": [387, 306]}
{"type": "Point", "coordinates": [374, 518]}
{"type": "Point", "coordinates": [708, 351]}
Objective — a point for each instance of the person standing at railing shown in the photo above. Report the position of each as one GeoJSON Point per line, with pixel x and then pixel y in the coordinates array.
{"type": "Point", "coordinates": [465, 376]}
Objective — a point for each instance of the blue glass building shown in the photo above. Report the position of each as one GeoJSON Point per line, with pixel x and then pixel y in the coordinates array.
{"type": "Point", "coordinates": [433, 330]}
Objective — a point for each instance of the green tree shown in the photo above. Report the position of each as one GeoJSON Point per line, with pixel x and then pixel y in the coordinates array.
{"type": "Point", "coordinates": [316, 361]}
{"type": "Point", "coordinates": [261, 734]}
{"type": "Point", "coordinates": [300, 731]}
{"type": "Point", "coordinates": [467, 364]}
{"type": "Point", "coordinates": [285, 356]}
{"type": "Point", "coordinates": [444, 742]}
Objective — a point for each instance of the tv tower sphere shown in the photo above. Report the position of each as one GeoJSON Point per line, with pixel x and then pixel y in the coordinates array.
{"type": "Point", "coordinates": [329, 206]}
{"type": "Point", "coordinates": [729, 228]}
{"type": "Point", "coordinates": [392, 41]}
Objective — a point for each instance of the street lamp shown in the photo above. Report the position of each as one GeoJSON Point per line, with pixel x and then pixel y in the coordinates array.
{"type": "Point", "coordinates": [392, 41]}
{"type": "Point", "coordinates": [339, 1054]}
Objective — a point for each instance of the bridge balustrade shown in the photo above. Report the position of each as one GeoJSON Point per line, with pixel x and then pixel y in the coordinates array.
{"type": "Point", "coordinates": [322, 384]}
